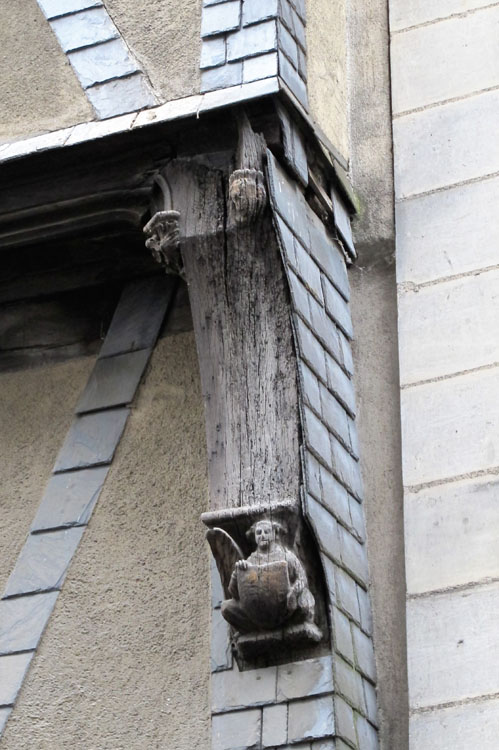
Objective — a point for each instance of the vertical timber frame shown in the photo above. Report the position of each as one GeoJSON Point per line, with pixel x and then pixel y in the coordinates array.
{"type": "Point", "coordinates": [269, 294]}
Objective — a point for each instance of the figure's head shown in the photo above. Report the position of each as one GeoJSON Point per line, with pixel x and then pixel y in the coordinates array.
{"type": "Point", "coordinates": [264, 532]}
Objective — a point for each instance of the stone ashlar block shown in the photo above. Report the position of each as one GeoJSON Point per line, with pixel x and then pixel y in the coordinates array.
{"type": "Point", "coordinates": [428, 349]}
{"type": "Point", "coordinates": [406, 13]}
{"type": "Point", "coordinates": [84, 29]}
{"type": "Point", "coordinates": [235, 689]}
{"type": "Point", "coordinates": [237, 731]}
{"type": "Point", "coordinates": [136, 325]}
{"type": "Point", "coordinates": [70, 499]}
{"type": "Point", "coordinates": [454, 659]}
{"type": "Point", "coordinates": [12, 671]}
{"type": "Point", "coordinates": [113, 381]}
{"type": "Point", "coordinates": [252, 40]}
{"type": "Point", "coordinates": [23, 620]}
{"type": "Point", "coordinates": [120, 96]}
{"type": "Point", "coordinates": [451, 534]}
{"type": "Point", "coordinates": [43, 562]}
{"type": "Point", "coordinates": [426, 144]}
{"type": "Point", "coordinates": [457, 434]}
{"type": "Point", "coordinates": [448, 233]}
{"type": "Point", "coordinates": [446, 60]}
{"type": "Point", "coordinates": [92, 440]}
{"type": "Point", "coordinates": [102, 62]}
{"type": "Point", "coordinates": [472, 725]}
{"type": "Point", "coordinates": [305, 678]}
{"type": "Point", "coordinates": [311, 719]}
{"type": "Point", "coordinates": [220, 18]}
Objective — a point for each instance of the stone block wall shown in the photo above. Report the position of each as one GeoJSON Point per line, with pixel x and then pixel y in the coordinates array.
{"type": "Point", "coordinates": [445, 74]}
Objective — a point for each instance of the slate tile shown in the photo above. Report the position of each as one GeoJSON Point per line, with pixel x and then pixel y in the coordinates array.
{"type": "Point", "coordinates": [305, 678]}
{"type": "Point", "coordinates": [241, 729]}
{"type": "Point", "coordinates": [275, 725]}
{"type": "Point", "coordinates": [92, 440]}
{"type": "Point", "coordinates": [291, 77]}
{"type": "Point", "coordinates": [52, 8]}
{"type": "Point", "coordinates": [23, 620]}
{"type": "Point", "coordinates": [219, 18]}
{"type": "Point", "coordinates": [342, 221]}
{"type": "Point", "coordinates": [260, 67]}
{"type": "Point", "coordinates": [43, 562]}
{"type": "Point", "coordinates": [364, 653]}
{"type": "Point", "coordinates": [367, 735]}
{"type": "Point", "coordinates": [83, 29]}
{"type": "Point", "coordinates": [222, 77]}
{"type": "Point", "coordinates": [299, 30]}
{"type": "Point", "coordinates": [4, 716]}
{"type": "Point", "coordinates": [311, 350]}
{"type": "Point", "coordinates": [138, 316]}
{"type": "Point", "coordinates": [12, 671]}
{"type": "Point", "coordinates": [341, 385]}
{"type": "Point", "coordinates": [349, 685]}
{"type": "Point", "coordinates": [342, 635]}
{"type": "Point", "coordinates": [213, 52]}
{"type": "Point", "coordinates": [235, 689]}
{"type": "Point", "coordinates": [317, 436]}
{"type": "Point", "coordinates": [259, 10]}
{"type": "Point", "coordinates": [120, 96]}
{"type": "Point", "coordinates": [113, 381]}
{"type": "Point", "coordinates": [287, 240]}
{"type": "Point", "coordinates": [252, 40]}
{"type": "Point", "coordinates": [347, 594]}
{"type": "Point", "coordinates": [354, 556]}
{"type": "Point", "coordinates": [288, 201]}
{"type": "Point", "coordinates": [311, 719]}
{"type": "Point", "coordinates": [345, 723]}
{"type": "Point", "coordinates": [70, 498]}
{"type": "Point", "coordinates": [337, 308]}
{"type": "Point", "coordinates": [325, 527]}
{"type": "Point", "coordinates": [102, 62]}
{"type": "Point", "coordinates": [220, 645]}
{"type": "Point", "coordinates": [328, 255]}
{"type": "Point", "coordinates": [288, 45]}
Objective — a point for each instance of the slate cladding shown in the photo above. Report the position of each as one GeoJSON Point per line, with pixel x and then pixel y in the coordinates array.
{"type": "Point", "coordinates": [250, 40]}
{"type": "Point", "coordinates": [78, 477]}
{"type": "Point", "coordinates": [107, 70]}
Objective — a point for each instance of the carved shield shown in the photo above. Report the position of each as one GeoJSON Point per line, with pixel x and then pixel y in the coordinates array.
{"type": "Point", "coordinates": [263, 591]}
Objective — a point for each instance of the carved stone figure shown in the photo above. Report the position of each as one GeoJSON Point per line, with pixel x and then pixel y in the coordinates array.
{"type": "Point", "coordinates": [271, 600]}
{"type": "Point", "coordinates": [163, 237]}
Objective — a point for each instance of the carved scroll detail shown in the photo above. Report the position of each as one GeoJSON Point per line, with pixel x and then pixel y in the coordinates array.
{"type": "Point", "coordinates": [163, 240]}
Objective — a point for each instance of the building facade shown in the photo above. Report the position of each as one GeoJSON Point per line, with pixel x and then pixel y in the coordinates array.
{"type": "Point", "coordinates": [248, 318]}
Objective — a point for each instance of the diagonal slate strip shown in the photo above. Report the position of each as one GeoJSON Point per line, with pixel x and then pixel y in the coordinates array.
{"type": "Point", "coordinates": [136, 325]}
{"type": "Point", "coordinates": [4, 715]}
{"type": "Point", "coordinates": [92, 440]}
{"type": "Point", "coordinates": [70, 499]}
{"type": "Point", "coordinates": [113, 381]}
{"type": "Point", "coordinates": [23, 620]}
{"type": "Point", "coordinates": [43, 562]}
{"type": "Point", "coordinates": [12, 671]}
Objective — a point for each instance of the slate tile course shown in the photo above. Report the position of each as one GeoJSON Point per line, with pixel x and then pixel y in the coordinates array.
{"type": "Point", "coordinates": [92, 440]}
{"type": "Point", "coordinates": [310, 719]}
{"type": "Point", "coordinates": [43, 562]}
{"type": "Point", "coordinates": [70, 498]}
{"type": "Point", "coordinates": [12, 671]}
{"type": "Point", "coordinates": [113, 381]}
{"type": "Point", "coordinates": [23, 620]}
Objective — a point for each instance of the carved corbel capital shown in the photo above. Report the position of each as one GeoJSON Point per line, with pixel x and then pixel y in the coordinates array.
{"type": "Point", "coordinates": [163, 240]}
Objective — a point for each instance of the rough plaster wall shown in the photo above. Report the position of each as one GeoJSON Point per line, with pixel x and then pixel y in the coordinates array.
{"type": "Point", "coordinates": [124, 662]}
{"type": "Point", "coordinates": [327, 70]}
{"type": "Point", "coordinates": [38, 90]}
{"type": "Point", "coordinates": [371, 158]}
{"type": "Point", "coordinates": [31, 400]}
{"type": "Point", "coordinates": [165, 36]}
{"type": "Point", "coordinates": [377, 382]}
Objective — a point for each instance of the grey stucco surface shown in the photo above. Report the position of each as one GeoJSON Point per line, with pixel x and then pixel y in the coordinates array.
{"type": "Point", "coordinates": [375, 351]}
{"type": "Point", "coordinates": [165, 38]}
{"type": "Point", "coordinates": [36, 408]}
{"type": "Point", "coordinates": [125, 657]}
{"type": "Point", "coordinates": [38, 89]}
